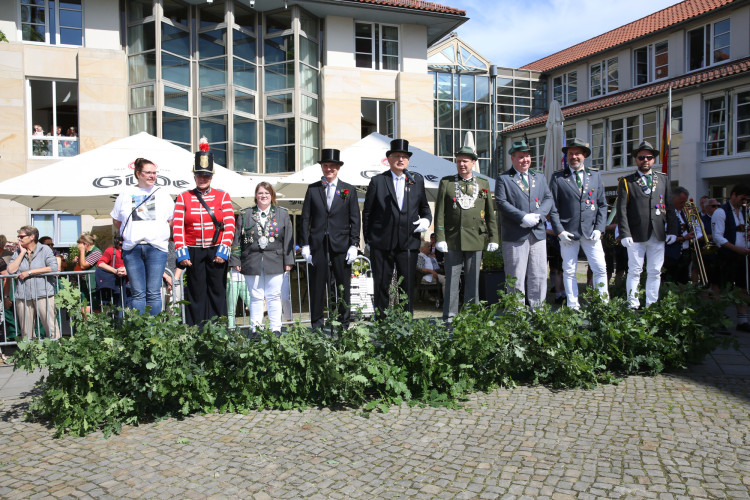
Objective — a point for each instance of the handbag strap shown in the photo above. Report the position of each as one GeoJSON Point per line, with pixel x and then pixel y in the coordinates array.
{"type": "Point", "coordinates": [219, 225]}
{"type": "Point", "coordinates": [136, 208]}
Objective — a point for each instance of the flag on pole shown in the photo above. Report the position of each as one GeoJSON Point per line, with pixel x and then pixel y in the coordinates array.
{"type": "Point", "coordinates": [666, 136]}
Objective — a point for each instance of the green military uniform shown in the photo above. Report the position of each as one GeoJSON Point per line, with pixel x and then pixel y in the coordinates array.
{"type": "Point", "coordinates": [470, 229]}
{"type": "Point", "coordinates": [465, 221]}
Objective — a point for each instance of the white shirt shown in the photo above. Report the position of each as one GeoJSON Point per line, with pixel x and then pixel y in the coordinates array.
{"type": "Point", "coordinates": [398, 186]}
{"type": "Point", "coordinates": [718, 224]}
{"type": "Point", "coordinates": [144, 221]}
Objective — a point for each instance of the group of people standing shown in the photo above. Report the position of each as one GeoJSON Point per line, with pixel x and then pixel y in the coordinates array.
{"type": "Point", "coordinates": [258, 243]}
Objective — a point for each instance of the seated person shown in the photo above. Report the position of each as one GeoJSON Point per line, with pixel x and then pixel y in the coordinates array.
{"type": "Point", "coordinates": [428, 266]}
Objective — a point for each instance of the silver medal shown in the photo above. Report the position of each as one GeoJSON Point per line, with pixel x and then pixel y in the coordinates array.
{"type": "Point", "coordinates": [593, 207]}
{"type": "Point", "coordinates": [271, 239]}
{"type": "Point", "coordinates": [658, 212]}
{"type": "Point", "coordinates": [262, 242]}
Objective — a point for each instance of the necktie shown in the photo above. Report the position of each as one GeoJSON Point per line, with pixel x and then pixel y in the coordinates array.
{"type": "Point", "coordinates": [329, 194]}
{"type": "Point", "coordinates": [400, 191]}
{"type": "Point", "coordinates": [578, 179]}
{"type": "Point", "coordinates": [523, 179]}
{"type": "Point", "coordinates": [648, 181]}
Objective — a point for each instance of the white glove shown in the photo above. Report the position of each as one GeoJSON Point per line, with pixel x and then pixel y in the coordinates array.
{"type": "Point", "coordinates": [596, 235]}
{"type": "Point", "coordinates": [351, 254]}
{"type": "Point", "coordinates": [306, 254]}
{"type": "Point", "coordinates": [492, 247]}
{"type": "Point", "coordinates": [422, 225]}
{"type": "Point", "coordinates": [671, 238]}
{"type": "Point", "coordinates": [627, 242]}
{"type": "Point", "coordinates": [566, 237]}
{"type": "Point", "coordinates": [441, 246]}
{"type": "Point", "coordinates": [530, 220]}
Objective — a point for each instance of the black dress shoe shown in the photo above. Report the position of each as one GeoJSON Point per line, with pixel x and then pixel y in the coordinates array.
{"type": "Point", "coordinates": [744, 327]}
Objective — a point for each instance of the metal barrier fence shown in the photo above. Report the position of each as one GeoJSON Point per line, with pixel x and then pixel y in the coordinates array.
{"type": "Point", "coordinates": [39, 316]}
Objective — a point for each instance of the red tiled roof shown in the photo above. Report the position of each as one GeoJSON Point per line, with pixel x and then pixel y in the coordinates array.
{"type": "Point", "coordinates": [723, 71]}
{"type": "Point", "coordinates": [416, 4]}
{"type": "Point", "coordinates": [652, 23]}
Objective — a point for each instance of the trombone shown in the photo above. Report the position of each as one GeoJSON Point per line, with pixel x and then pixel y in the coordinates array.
{"type": "Point", "coordinates": [695, 225]}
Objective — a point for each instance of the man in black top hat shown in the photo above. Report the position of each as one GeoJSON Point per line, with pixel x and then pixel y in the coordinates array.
{"type": "Point", "coordinates": [394, 215]}
{"type": "Point", "coordinates": [330, 237]}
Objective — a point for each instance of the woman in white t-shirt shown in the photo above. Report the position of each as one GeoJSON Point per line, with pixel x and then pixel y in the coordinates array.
{"type": "Point", "coordinates": [143, 215]}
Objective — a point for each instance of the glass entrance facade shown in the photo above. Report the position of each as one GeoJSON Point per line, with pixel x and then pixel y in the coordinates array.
{"type": "Point", "coordinates": [248, 81]}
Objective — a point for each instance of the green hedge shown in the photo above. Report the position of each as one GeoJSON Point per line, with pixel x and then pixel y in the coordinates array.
{"type": "Point", "coordinates": [110, 375]}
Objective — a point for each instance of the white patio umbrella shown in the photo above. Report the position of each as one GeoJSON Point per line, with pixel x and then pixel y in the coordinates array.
{"type": "Point", "coordinates": [89, 183]}
{"type": "Point", "coordinates": [365, 159]}
{"type": "Point", "coordinates": [469, 142]}
{"type": "Point", "coordinates": [554, 141]}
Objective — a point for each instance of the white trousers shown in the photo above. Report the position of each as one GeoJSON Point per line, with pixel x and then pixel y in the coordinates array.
{"type": "Point", "coordinates": [595, 255]}
{"type": "Point", "coordinates": [527, 262]}
{"type": "Point", "coordinates": [653, 251]}
{"type": "Point", "coordinates": [265, 287]}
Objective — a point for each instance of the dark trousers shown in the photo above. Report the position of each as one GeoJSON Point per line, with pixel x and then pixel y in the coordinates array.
{"type": "Point", "coordinates": [329, 270]}
{"type": "Point", "coordinates": [677, 269]}
{"type": "Point", "coordinates": [382, 272]}
{"type": "Point", "coordinates": [206, 288]}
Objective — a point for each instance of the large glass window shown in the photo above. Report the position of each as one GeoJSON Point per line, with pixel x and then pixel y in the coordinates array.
{"type": "Point", "coordinates": [565, 88]}
{"type": "Point", "coordinates": [716, 125]}
{"type": "Point", "coordinates": [53, 22]}
{"type": "Point", "coordinates": [376, 46]}
{"type": "Point", "coordinates": [604, 77]}
{"type": "Point", "coordinates": [378, 116]}
{"type": "Point", "coordinates": [708, 45]}
{"type": "Point", "coordinates": [743, 122]}
{"type": "Point", "coordinates": [54, 114]}
{"type": "Point", "coordinates": [626, 133]}
{"type": "Point", "coordinates": [63, 228]}
{"type": "Point", "coordinates": [203, 79]}
{"type": "Point", "coordinates": [651, 63]}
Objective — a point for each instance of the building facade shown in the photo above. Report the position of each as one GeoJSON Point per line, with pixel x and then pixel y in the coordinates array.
{"type": "Point", "coordinates": [268, 82]}
{"type": "Point", "coordinates": [614, 89]}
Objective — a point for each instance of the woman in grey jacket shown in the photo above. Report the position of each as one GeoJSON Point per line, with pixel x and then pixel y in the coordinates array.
{"type": "Point", "coordinates": [34, 296]}
{"type": "Point", "coordinates": [263, 249]}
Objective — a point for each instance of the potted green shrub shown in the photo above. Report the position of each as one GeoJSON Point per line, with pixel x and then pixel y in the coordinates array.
{"type": "Point", "coordinates": [491, 275]}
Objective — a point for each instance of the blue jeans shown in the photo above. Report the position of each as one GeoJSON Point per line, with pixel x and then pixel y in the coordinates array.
{"type": "Point", "coordinates": [145, 266]}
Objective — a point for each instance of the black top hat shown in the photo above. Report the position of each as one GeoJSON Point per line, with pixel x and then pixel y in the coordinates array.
{"type": "Point", "coordinates": [204, 159]}
{"type": "Point", "coordinates": [399, 146]}
{"type": "Point", "coordinates": [578, 143]}
{"type": "Point", "coordinates": [330, 156]}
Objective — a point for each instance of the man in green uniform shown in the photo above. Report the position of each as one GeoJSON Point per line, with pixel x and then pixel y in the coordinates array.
{"type": "Point", "coordinates": [465, 223]}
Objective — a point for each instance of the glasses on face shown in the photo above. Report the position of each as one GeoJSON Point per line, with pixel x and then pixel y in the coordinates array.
{"type": "Point", "coordinates": [262, 195]}
{"type": "Point", "coordinates": [144, 172]}
{"type": "Point", "coordinates": [645, 157]}
{"type": "Point", "coordinates": [22, 236]}
{"type": "Point", "coordinates": [714, 206]}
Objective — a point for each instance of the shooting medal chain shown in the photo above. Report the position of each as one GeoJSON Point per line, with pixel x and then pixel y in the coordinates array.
{"type": "Point", "coordinates": [464, 200]}
{"type": "Point", "coordinates": [266, 232]}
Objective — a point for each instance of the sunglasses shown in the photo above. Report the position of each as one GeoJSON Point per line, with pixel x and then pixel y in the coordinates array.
{"type": "Point", "coordinates": [714, 206]}
{"type": "Point", "coordinates": [645, 157]}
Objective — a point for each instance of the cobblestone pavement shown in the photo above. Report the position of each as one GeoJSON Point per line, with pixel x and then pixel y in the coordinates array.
{"type": "Point", "coordinates": [684, 435]}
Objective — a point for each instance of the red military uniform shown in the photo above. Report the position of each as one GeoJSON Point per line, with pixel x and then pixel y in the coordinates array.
{"type": "Point", "coordinates": [193, 227]}
{"type": "Point", "coordinates": [196, 241]}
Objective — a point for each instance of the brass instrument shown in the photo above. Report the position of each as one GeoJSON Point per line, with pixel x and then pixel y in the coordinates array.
{"type": "Point", "coordinates": [695, 224]}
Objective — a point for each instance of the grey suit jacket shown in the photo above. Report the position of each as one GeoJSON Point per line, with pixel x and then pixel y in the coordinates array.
{"type": "Point", "coordinates": [247, 253]}
{"type": "Point", "coordinates": [637, 209]}
{"type": "Point", "coordinates": [514, 201]}
{"type": "Point", "coordinates": [579, 211]}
